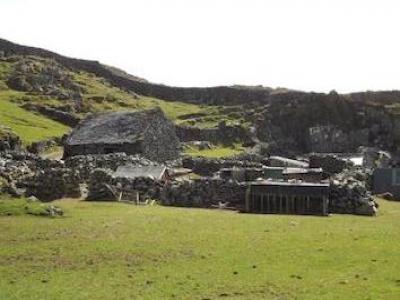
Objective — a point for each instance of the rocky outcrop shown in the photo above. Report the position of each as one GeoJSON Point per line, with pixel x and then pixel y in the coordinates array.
{"type": "Point", "coordinates": [328, 123]}
{"type": "Point", "coordinates": [45, 77]}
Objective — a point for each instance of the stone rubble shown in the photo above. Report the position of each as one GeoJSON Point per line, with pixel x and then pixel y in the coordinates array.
{"type": "Point", "coordinates": [330, 163]}
{"type": "Point", "coordinates": [349, 194]}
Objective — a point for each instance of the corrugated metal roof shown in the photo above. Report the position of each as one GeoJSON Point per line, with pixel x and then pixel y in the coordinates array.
{"type": "Point", "coordinates": [154, 172]}
{"type": "Point", "coordinates": [285, 160]}
{"type": "Point", "coordinates": [286, 183]}
{"type": "Point", "coordinates": [301, 170]}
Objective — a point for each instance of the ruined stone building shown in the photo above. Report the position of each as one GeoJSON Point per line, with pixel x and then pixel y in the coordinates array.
{"type": "Point", "coordinates": [148, 133]}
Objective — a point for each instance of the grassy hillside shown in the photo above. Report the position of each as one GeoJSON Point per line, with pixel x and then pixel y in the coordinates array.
{"type": "Point", "coordinates": [103, 250]}
{"type": "Point", "coordinates": [27, 125]}
{"type": "Point", "coordinates": [97, 95]}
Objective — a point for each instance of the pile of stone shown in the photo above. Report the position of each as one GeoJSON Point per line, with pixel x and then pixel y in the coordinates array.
{"type": "Point", "coordinates": [14, 168]}
{"type": "Point", "coordinates": [208, 166]}
{"type": "Point", "coordinates": [204, 192]}
{"type": "Point", "coordinates": [330, 163]}
{"type": "Point", "coordinates": [349, 194]}
{"type": "Point", "coordinates": [54, 183]}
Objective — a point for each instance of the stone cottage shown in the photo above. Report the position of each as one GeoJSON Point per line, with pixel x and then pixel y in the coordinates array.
{"type": "Point", "coordinates": [147, 132]}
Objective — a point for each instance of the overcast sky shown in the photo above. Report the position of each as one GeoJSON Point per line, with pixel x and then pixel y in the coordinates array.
{"type": "Point", "coordinates": [319, 45]}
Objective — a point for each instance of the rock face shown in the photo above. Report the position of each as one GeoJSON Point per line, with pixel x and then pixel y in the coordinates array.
{"type": "Point", "coordinates": [328, 123]}
{"type": "Point", "coordinates": [147, 133]}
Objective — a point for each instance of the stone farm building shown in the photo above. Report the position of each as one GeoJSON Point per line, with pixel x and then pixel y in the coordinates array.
{"type": "Point", "coordinates": [147, 132]}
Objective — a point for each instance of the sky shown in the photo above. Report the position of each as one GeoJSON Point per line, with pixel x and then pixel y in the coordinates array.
{"type": "Point", "coordinates": [311, 45]}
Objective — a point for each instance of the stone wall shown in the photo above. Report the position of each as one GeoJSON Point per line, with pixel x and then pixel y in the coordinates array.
{"type": "Point", "coordinates": [204, 192]}
{"type": "Point", "coordinates": [63, 117]}
{"type": "Point", "coordinates": [54, 183]}
{"type": "Point", "coordinates": [104, 187]}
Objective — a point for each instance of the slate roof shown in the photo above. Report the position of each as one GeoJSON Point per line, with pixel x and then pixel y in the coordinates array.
{"type": "Point", "coordinates": [132, 172]}
{"type": "Point", "coordinates": [113, 128]}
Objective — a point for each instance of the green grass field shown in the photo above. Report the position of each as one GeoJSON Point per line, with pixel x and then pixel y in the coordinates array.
{"type": "Point", "coordinates": [218, 151]}
{"type": "Point", "coordinates": [121, 251]}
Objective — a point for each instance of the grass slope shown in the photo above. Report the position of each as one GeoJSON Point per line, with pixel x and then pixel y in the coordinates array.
{"type": "Point", "coordinates": [218, 151]}
{"type": "Point", "coordinates": [112, 250]}
{"type": "Point", "coordinates": [98, 95]}
{"type": "Point", "coordinates": [28, 126]}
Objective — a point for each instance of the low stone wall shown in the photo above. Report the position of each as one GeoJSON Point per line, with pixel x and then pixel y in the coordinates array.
{"type": "Point", "coordinates": [104, 187]}
{"type": "Point", "coordinates": [54, 114]}
{"type": "Point", "coordinates": [199, 193]}
{"type": "Point", "coordinates": [54, 183]}
{"type": "Point", "coordinates": [204, 193]}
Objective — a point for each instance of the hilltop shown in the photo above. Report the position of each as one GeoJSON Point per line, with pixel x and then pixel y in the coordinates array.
{"type": "Point", "coordinates": [44, 94]}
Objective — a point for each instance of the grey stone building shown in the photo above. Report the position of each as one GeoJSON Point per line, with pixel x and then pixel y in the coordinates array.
{"type": "Point", "coordinates": [147, 132]}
